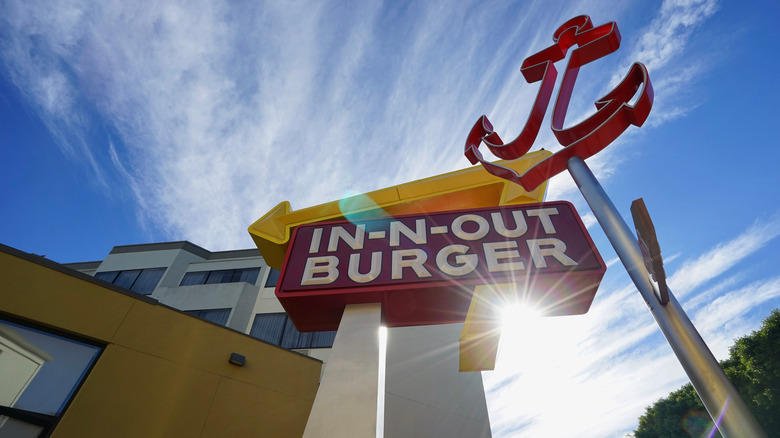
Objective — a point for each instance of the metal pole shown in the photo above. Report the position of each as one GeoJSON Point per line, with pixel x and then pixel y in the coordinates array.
{"type": "Point", "coordinates": [347, 403]}
{"type": "Point", "coordinates": [718, 395]}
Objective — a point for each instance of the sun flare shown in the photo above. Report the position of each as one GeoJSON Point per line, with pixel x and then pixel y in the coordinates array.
{"type": "Point", "coordinates": [518, 315]}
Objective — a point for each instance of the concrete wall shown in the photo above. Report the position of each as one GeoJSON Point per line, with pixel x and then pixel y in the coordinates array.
{"type": "Point", "coordinates": [267, 301]}
{"type": "Point", "coordinates": [426, 395]}
{"type": "Point", "coordinates": [239, 296]}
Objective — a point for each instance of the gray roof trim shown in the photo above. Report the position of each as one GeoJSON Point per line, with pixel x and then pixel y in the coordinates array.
{"type": "Point", "coordinates": [183, 245]}
{"type": "Point", "coordinates": [83, 266]}
{"type": "Point", "coordinates": [235, 254]}
{"type": "Point", "coordinates": [72, 272]}
{"type": "Point", "coordinates": [189, 247]}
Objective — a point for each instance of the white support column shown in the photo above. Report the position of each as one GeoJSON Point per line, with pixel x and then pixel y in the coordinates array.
{"type": "Point", "coordinates": [346, 404]}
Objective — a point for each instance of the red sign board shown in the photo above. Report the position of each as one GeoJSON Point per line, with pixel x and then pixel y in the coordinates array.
{"type": "Point", "coordinates": [423, 268]}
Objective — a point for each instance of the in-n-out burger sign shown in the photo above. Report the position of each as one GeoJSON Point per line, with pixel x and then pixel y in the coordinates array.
{"type": "Point", "coordinates": [423, 269]}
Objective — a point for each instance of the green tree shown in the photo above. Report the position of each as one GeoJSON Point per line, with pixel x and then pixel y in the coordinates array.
{"type": "Point", "coordinates": [680, 414]}
{"type": "Point", "coordinates": [753, 367]}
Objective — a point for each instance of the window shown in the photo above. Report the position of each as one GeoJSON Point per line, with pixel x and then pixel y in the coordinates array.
{"type": "Point", "coordinates": [269, 327]}
{"type": "Point", "coordinates": [278, 329]}
{"type": "Point", "coordinates": [126, 279]}
{"type": "Point", "coordinates": [273, 277]}
{"type": "Point", "coordinates": [147, 280]}
{"type": "Point", "coordinates": [248, 275]}
{"type": "Point", "coordinates": [323, 339]}
{"type": "Point", "coordinates": [217, 316]}
{"type": "Point", "coordinates": [108, 276]}
{"type": "Point", "coordinates": [143, 281]}
{"type": "Point", "coordinates": [192, 278]}
{"type": "Point", "coordinates": [41, 373]}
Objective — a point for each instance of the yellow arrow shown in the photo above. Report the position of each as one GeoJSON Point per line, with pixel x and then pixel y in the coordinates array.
{"type": "Point", "coordinates": [467, 188]}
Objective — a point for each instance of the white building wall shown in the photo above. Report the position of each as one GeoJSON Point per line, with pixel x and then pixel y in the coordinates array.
{"type": "Point", "coordinates": [425, 393]}
{"type": "Point", "coordinates": [240, 297]}
{"type": "Point", "coordinates": [232, 263]}
{"type": "Point", "coordinates": [266, 301]}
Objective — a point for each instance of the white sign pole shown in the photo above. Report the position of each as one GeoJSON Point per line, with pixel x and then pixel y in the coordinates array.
{"type": "Point", "coordinates": [347, 402]}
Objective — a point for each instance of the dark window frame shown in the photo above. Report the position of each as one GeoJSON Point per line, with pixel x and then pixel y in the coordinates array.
{"type": "Point", "coordinates": [113, 276]}
{"type": "Point", "coordinates": [221, 276]}
{"type": "Point", "coordinates": [292, 339]}
{"type": "Point", "coordinates": [273, 277]}
{"type": "Point", "coordinates": [192, 278]}
{"type": "Point", "coordinates": [49, 422]}
{"type": "Point", "coordinates": [143, 280]}
{"type": "Point", "coordinates": [197, 313]}
{"type": "Point", "coordinates": [107, 276]}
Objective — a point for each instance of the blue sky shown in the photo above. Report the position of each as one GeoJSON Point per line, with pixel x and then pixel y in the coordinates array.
{"type": "Point", "coordinates": [124, 122]}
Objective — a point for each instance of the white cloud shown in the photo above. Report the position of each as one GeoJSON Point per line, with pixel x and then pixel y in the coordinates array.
{"type": "Point", "coordinates": [666, 36]}
{"type": "Point", "coordinates": [222, 112]}
{"type": "Point", "coordinates": [663, 48]}
{"type": "Point", "coordinates": [34, 37]}
{"type": "Point", "coordinates": [610, 363]}
{"type": "Point", "coordinates": [724, 316]}
{"type": "Point", "coordinates": [591, 366]}
{"type": "Point", "coordinates": [719, 259]}
{"type": "Point", "coordinates": [589, 220]}
{"type": "Point", "coordinates": [613, 361]}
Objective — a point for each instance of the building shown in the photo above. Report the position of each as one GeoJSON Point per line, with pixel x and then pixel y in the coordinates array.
{"type": "Point", "coordinates": [80, 357]}
{"type": "Point", "coordinates": [425, 395]}
{"type": "Point", "coordinates": [230, 288]}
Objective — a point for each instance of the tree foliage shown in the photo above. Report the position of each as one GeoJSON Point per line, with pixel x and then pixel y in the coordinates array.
{"type": "Point", "coordinates": [753, 367]}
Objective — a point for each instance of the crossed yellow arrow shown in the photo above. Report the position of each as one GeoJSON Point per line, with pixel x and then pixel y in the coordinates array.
{"type": "Point", "coordinates": [467, 188]}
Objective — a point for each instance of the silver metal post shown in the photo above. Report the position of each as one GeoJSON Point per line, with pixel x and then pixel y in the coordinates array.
{"type": "Point", "coordinates": [718, 395]}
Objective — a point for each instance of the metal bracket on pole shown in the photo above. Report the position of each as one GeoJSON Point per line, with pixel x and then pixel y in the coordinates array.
{"type": "Point", "coordinates": [718, 395]}
{"type": "Point", "coordinates": [651, 249]}
{"type": "Point", "coordinates": [347, 402]}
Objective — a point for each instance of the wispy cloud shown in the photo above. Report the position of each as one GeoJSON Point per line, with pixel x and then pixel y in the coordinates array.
{"type": "Point", "coordinates": [30, 51]}
{"type": "Point", "coordinates": [718, 260]}
{"type": "Point", "coordinates": [662, 46]}
{"type": "Point", "coordinates": [582, 367]}
{"type": "Point", "coordinates": [662, 42]}
{"type": "Point", "coordinates": [666, 36]}
{"type": "Point", "coordinates": [610, 363]}
{"type": "Point", "coordinates": [207, 99]}
{"type": "Point", "coordinates": [722, 317]}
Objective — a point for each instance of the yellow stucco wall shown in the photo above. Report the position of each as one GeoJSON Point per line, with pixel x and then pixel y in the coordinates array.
{"type": "Point", "coordinates": [162, 373]}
